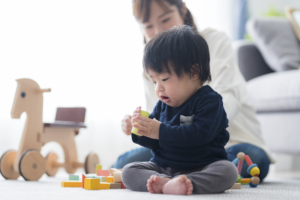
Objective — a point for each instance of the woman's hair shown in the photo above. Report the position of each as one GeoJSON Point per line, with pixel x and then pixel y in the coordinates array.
{"type": "Point", "coordinates": [141, 11]}
{"type": "Point", "coordinates": [181, 48]}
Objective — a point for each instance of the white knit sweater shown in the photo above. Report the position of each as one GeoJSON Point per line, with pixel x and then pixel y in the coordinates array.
{"type": "Point", "coordinates": [228, 82]}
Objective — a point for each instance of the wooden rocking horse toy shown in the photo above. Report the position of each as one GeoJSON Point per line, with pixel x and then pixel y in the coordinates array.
{"type": "Point", "coordinates": [28, 161]}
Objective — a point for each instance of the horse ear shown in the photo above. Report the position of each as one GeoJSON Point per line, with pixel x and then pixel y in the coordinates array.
{"type": "Point", "coordinates": [44, 90]}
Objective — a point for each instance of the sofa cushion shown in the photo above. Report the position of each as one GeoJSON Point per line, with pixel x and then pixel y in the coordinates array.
{"type": "Point", "coordinates": [277, 42]}
{"type": "Point", "coordinates": [279, 91]}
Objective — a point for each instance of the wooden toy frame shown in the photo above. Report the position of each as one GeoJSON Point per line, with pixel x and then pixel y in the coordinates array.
{"type": "Point", "coordinates": [27, 160]}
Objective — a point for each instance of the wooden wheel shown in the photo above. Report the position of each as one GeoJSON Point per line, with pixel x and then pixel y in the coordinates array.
{"type": "Point", "coordinates": [51, 168]}
{"type": "Point", "coordinates": [90, 163]}
{"type": "Point", "coordinates": [32, 165]}
{"type": "Point", "coordinates": [7, 165]}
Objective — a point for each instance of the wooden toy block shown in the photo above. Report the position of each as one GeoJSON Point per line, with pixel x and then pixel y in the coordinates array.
{"type": "Point", "coordinates": [103, 179]}
{"type": "Point", "coordinates": [115, 186]}
{"type": "Point", "coordinates": [83, 177]}
{"type": "Point", "coordinates": [92, 184]}
{"type": "Point", "coordinates": [109, 179]}
{"type": "Point", "coordinates": [73, 177]}
{"type": "Point", "coordinates": [117, 177]}
{"type": "Point", "coordinates": [104, 186]}
{"type": "Point", "coordinates": [235, 161]}
{"type": "Point", "coordinates": [240, 166]}
{"type": "Point", "coordinates": [241, 156]}
{"type": "Point", "coordinates": [98, 167]}
{"type": "Point", "coordinates": [144, 114]}
{"type": "Point", "coordinates": [246, 180]}
{"type": "Point", "coordinates": [113, 170]}
{"type": "Point", "coordinates": [71, 184]}
{"type": "Point", "coordinates": [123, 186]}
{"type": "Point", "coordinates": [102, 173]}
{"type": "Point", "coordinates": [236, 186]}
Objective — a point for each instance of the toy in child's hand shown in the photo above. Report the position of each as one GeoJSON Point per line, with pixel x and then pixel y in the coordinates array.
{"type": "Point", "coordinates": [134, 129]}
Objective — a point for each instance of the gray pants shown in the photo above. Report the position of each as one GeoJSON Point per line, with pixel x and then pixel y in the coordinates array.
{"type": "Point", "coordinates": [213, 178]}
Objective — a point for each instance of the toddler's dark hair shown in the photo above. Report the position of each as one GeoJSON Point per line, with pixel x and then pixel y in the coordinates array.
{"type": "Point", "coordinates": [181, 47]}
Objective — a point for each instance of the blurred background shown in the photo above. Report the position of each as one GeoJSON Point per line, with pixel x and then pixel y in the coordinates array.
{"type": "Point", "coordinates": [90, 54]}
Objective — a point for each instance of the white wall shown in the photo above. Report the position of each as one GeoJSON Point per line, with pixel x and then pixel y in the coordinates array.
{"type": "Point", "coordinates": [214, 14]}
{"type": "Point", "coordinates": [89, 53]}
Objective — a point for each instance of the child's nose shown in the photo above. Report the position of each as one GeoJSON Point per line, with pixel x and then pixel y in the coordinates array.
{"type": "Point", "coordinates": [159, 88]}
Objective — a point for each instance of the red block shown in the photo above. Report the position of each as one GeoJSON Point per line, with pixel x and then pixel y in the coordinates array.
{"type": "Point", "coordinates": [122, 186]}
{"type": "Point", "coordinates": [102, 172]}
{"type": "Point", "coordinates": [83, 177]}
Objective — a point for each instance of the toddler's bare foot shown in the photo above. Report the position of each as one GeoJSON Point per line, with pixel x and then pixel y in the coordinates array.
{"type": "Point", "coordinates": [180, 185]}
{"type": "Point", "coordinates": [156, 183]}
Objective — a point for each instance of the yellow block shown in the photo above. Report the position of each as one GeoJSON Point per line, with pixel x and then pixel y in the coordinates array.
{"type": "Point", "coordinates": [98, 167]}
{"type": "Point", "coordinates": [104, 186]}
{"type": "Point", "coordinates": [92, 184]}
{"type": "Point", "coordinates": [71, 184]}
{"type": "Point", "coordinates": [110, 179]}
{"type": "Point", "coordinates": [144, 114]}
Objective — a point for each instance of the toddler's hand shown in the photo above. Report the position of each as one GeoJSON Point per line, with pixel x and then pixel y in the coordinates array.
{"type": "Point", "coordinates": [135, 114]}
{"type": "Point", "coordinates": [126, 124]}
{"type": "Point", "coordinates": [146, 126]}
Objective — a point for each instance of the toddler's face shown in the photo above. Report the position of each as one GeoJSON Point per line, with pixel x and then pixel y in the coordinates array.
{"type": "Point", "coordinates": [172, 90]}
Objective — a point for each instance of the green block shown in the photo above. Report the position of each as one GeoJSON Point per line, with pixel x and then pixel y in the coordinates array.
{"type": "Point", "coordinates": [103, 179]}
{"type": "Point", "coordinates": [239, 179]}
{"type": "Point", "coordinates": [73, 177]}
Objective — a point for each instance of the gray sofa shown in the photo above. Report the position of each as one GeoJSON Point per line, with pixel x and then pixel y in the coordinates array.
{"type": "Point", "coordinates": [270, 63]}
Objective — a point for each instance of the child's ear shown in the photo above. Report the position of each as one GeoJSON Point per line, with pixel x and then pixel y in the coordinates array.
{"type": "Point", "coordinates": [195, 72]}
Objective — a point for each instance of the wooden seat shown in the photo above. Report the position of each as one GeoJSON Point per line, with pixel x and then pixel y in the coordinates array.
{"type": "Point", "coordinates": [69, 118]}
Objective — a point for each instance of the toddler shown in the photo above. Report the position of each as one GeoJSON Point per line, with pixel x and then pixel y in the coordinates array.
{"type": "Point", "coordinates": [187, 128]}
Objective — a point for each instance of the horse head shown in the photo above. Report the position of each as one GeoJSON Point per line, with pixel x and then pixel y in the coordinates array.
{"type": "Point", "coordinates": [28, 97]}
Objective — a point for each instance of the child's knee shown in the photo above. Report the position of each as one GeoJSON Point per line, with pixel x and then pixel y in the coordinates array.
{"type": "Point", "coordinates": [127, 173]}
{"type": "Point", "coordinates": [230, 173]}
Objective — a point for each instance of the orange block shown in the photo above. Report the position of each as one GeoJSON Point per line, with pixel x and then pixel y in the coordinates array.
{"type": "Point", "coordinates": [102, 172]}
{"type": "Point", "coordinates": [104, 186]}
{"type": "Point", "coordinates": [71, 184]}
{"type": "Point", "coordinates": [110, 179]}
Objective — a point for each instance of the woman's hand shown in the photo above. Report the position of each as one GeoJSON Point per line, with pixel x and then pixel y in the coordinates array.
{"type": "Point", "coordinates": [146, 126]}
{"type": "Point", "coordinates": [126, 124]}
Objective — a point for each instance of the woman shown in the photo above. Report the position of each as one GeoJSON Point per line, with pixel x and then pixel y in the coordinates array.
{"type": "Point", "coordinates": [156, 16]}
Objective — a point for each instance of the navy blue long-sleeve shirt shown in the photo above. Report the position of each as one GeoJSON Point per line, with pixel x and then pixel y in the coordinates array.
{"type": "Point", "coordinates": [190, 136]}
